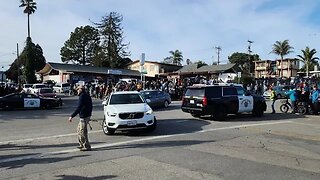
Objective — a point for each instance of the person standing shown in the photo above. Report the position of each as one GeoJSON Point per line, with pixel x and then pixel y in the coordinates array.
{"type": "Point", "coordinates": [315, 100]}
{"type": "Point", "coordinates": [293, 98]}
{"type": "Point", "coordinates": [84, 109]}
{"type": "Point", "coordinates": [273, 98]}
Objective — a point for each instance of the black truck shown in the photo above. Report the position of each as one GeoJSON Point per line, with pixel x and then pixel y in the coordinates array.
{"type": "Point", "coordinates": [221, 100]}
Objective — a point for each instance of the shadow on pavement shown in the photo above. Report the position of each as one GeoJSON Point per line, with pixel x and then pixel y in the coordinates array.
{"type": "Point", "coordinates": [35, 160]}
{"type": "Point", "coordinates": [168, 127]}
{"type": "Point", "coordinates": [265, 117]}
{"type": "Point", "coordinates": [74, 177]}
{"type": "Point", "coordinates": [155, 144]}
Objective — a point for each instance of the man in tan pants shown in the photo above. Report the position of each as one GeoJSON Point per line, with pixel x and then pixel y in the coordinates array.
{"type": "Point", "coordinates": [84, 110]}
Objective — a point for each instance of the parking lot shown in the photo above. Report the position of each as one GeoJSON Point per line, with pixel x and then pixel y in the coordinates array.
{"type": "Point", "coordinates": [41, 144]}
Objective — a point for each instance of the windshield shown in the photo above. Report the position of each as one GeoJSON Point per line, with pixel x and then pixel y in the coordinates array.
{"type": "Point", "coordinates": [126, 99]}
{"type": "Point", "coordinates": [39, 86]}
{"type": "Point", "coordinates": [42, 91]}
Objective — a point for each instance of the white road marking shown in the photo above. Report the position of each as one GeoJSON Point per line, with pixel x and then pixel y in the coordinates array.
{"type": "Point", "coordinates": [104, 145]}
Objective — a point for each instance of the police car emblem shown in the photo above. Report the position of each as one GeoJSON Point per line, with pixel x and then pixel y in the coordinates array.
{"type": "Point", "coordinates": [246, 102]}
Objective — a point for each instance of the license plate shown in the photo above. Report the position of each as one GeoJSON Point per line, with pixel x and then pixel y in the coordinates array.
{"type": "Point", "coordinates": [192, 101]}
{"type": "Point", "coordinates": [132, 123]}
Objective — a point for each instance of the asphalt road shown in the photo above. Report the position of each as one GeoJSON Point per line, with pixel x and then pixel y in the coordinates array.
{"type": "Point", "coordinates": [41, 144]}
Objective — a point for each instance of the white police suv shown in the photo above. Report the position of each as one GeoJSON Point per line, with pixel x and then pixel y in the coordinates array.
{"type": "Point", "coordinates": [127, 110]}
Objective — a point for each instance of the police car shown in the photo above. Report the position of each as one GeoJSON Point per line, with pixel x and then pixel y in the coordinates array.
{"type": "Point", "coordinates": [27, 101]}
{"type": "Point", "coordinates": [219, 100]}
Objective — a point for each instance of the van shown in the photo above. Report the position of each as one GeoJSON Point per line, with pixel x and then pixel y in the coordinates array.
{"type": "Point", "coordinates": [61, 87]}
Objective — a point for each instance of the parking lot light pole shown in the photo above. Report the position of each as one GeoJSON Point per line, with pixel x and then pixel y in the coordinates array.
{"type": "Point", "coordinates": [18, 64]}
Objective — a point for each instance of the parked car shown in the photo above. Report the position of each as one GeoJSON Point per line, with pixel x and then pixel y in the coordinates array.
{"type": "Point", "coordinates": [157, 98]}
{"type": "Point", "coordinates": [62, 87]}
{"type": "Point", "coordinates": [27, 101]}
{"type": "Point", "coordinates": [47, 92]}
{"type": "Point", "coordinates": [280, 91]}
{"type": "Point", "coordinates": [127, 110]}
{"type": "Point", "coordinates": [27, 88]}
{"type": "Point", "coordinates": [36, 88]}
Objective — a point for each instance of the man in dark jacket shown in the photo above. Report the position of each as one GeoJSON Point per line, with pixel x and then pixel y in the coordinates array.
{"type": "Point", "coordinates": [84, 110]}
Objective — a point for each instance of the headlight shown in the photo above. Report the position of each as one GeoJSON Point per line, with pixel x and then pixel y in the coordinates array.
{"type": "Point", "coordinates": [148, 112]}
{"type": "Point", "coordinates": [111, 114]}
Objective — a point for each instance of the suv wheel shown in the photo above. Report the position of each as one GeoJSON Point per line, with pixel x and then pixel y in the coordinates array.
{"type": "Point", "coordinates": [220, 115]}
{"type": "Point", "coordinates": [166, 104]}
{"type": "Point", "coordinates": [195, 115]}
{"type": "Point", "coordinates": [258, 111]}
{"type": "Point", "coordinates": [106, 129]}
{"type": "Point", "coordinates": [152, 127]}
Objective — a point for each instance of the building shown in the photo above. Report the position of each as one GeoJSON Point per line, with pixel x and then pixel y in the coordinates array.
{"type": "Point", "coordinates": [153, 68]}
{"type": "Point", "coordinates": [3, 76]}
{"type": "Point", "coordinates": [224, 72]}
{"type": "Point", "coordinates": [72, 73]}
{"type": "Point", "coordinates": [269, 68]}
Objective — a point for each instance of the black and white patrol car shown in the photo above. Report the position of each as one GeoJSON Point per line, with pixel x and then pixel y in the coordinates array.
{"type": "Point", "coordinates": [28, 101]}
{"type": "Point", "coordinates": [221, 100]}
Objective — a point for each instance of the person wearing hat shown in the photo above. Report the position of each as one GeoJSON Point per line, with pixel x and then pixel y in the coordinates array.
{"type": "Point", "coordinates": [84, 109]}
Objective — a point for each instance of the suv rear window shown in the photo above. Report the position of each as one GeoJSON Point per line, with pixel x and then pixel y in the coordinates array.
{"type": "Point", "coordinates": [195, 92]}
{"type": "Point", "coordinates": [214, 92]}
{"type": "Point", "coordinates": [227, 91]}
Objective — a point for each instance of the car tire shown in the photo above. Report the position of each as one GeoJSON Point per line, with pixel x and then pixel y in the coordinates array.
{"type": "Point", "coordinates": [258, 111]}
{"type": "Point", "coordinates": [196, 115]}
{"type": "Point", "coordinates": [220, 115]}
{"type": "Point", "coordinates": [106, 129]}
{"type": "Point", "coordinates": [152, 127]}
{"type": "Point", "coordinates": [166, 104]}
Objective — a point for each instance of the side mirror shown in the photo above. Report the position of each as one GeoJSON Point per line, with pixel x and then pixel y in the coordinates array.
{"type": "Point", "coordinates": [148, 100]}
{"type": "Point", "coordinates": [104, 103]}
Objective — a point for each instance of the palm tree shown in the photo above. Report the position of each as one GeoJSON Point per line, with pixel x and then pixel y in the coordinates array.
{"type": "Point", "coordinates": [176, 57]}
{"type": "Point", "coordinates": [307, 58]}
{"type": "Point", "coordinates": [30, 8]}
{"type": "Point", "coordinates": [282, 49]}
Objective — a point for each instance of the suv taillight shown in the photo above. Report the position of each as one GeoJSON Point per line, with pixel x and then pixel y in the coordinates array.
{"type": "Point", "coordinates": [204, 101]}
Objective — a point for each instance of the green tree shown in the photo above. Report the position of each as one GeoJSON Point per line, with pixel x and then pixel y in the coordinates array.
{"type": "Point", "coordinates": [282, 49]}
{"type": "Point", "coordinates": [201, 63]}
{"type": "Point", "coordinates": [175, 58]}
{"type": "Point", "coordinates": [244, 61]}
{"type": "Point", "coordinates": [308, 59]}
{"type": "Point", "coordinates": [83, 47]}
{"type": "Point", "coordinates": [12, 73]}
{"type": "Point", "coordinates": [29, 8]}
{"type": "Point", "coordinates": [28, 56]}
{"type": "Point", "coordinates": [111, 34]}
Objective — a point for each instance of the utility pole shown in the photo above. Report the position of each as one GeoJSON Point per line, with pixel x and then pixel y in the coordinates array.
{"type": "Point", "coordinates": [218, 49]}
{"type": "Point", "coordinates": [249, 54]}
{"type": "Point", "coordinates": [18, 64]}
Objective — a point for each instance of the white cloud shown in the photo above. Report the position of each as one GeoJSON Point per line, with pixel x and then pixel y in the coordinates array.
{"type": "Point", "coordinates": [156, 27]}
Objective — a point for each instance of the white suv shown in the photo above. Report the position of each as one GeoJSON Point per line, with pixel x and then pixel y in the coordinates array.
{"type": "Point", "coordinates": [127, 110]}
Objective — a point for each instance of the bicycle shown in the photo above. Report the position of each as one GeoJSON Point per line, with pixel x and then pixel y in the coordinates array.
{"type": "Point", "coordinates": [285, 106]}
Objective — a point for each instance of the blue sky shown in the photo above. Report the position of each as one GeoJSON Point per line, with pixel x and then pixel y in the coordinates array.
{"type": "Point", "coordinates": [153, 27]}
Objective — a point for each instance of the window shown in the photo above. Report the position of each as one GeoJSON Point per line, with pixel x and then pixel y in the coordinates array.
{"type": "Point", "coordinates": [195, 92]}
{"type": "Point", "coordinates": [214, 92]}
{"type": "Point", "coordinates": [229, 91]}
{"type": "Point", "coordinates": [240, 91]}
{"type": "Point", "coordinates": [126, 99]}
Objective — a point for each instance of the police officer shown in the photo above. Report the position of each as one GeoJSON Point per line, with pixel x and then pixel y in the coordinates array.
{"type": "Point", "coordinates": [273, 98]}
{"type": "Point", "coordinates": [84, 110]}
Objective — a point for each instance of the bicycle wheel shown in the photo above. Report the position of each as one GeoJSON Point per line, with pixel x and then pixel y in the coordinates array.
{"type": "Point", "coordinates": [284, 108]}
{"type": "Point", "coordinates": [301, 109]}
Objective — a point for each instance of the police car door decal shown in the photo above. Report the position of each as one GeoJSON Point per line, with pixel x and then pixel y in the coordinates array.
{"type": "Point", "coordinates": [245, 103]}
{"type": "Point", "coordinates": [31, 103]}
